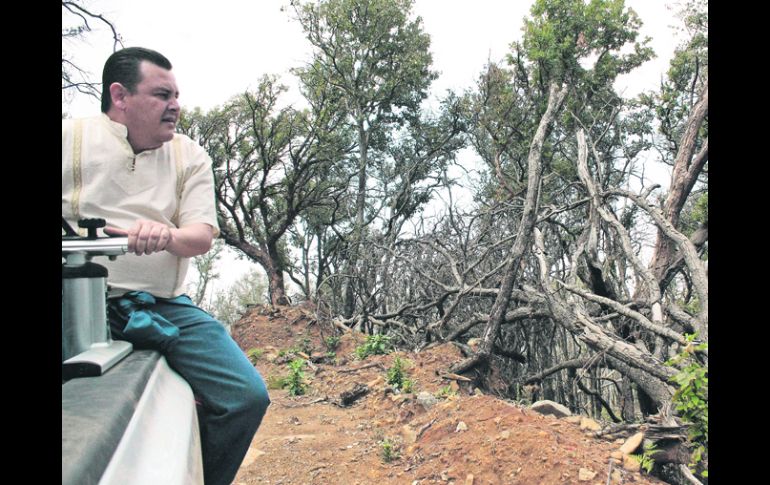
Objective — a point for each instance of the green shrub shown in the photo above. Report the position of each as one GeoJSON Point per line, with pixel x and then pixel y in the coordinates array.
{"type": "Point", "coordinates": [691, 401]}
{"type": "Point", "coordinates": [397, 375]}
{"type": "Point", "coordinates": [646, 461]}
{"type": "Point", "coordinates": [332, 342]}
{"type": "Point", "coordinates": [296, 379]}
{"type": "Point", "coordinates": [388, 451]}
{"type": "Point", "coordinates": [374, 345]}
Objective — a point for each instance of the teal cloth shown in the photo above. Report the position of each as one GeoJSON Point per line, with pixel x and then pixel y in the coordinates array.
{"type": "Point", "coordinates": [145, 327]}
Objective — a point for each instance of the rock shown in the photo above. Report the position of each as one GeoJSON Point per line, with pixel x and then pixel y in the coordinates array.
{"type": "Point", "coordinates": [505, 434]}
{"type": "Point", "coordinates": [618, 455]}
{"type": "Point", "coordinates": [461, 426]}
{"type": "Point", "coordinates": [469, 479]}
{"type": "Point", "coordinates": [589, 424]}
{"type": "Point", "coordinates": [584, 475]}
{"type": "Point", "coordinates": [427, 399]}
{"type": "Point", "coordinates": [631, 464]}
{"type": "Point", "coordinates": [573, 419]}
{"type": "Point", "coordinates": [632, 444]}
{"type": "Point", "coordinates": [549, 407]}
{"type": "Point", "coordinates": [251, 455]}
{"type": "Point", "coordinates": [477, 392]}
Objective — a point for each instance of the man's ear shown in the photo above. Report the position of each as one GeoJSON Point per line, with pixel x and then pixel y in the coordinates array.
{"type": "Point", "coordinates": [118, 93]}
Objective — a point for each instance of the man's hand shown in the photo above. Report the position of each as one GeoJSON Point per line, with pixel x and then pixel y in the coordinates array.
{"type": "Point", "coordinates": [147, 237]}
{"type": "Point", "coordinates": [144, 237]}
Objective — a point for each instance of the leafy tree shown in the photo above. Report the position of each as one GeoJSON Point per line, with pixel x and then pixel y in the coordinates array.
{"type": "Point", "coordinates": [269, 165]}
{"type": "Point", "coordinates": [375, 62]}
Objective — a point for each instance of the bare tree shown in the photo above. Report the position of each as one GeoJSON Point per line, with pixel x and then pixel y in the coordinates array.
{"type": "Point", "coordinates": [73, 77]}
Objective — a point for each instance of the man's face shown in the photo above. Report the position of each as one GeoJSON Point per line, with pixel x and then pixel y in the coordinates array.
{"type": "Point", "coordinates": [152, 111]}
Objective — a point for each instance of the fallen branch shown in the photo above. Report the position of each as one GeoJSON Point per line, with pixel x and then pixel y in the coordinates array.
{"type": "Point", "coordinates": [425, 428]}
{"type": "Point", "coordinates": [355, 369]}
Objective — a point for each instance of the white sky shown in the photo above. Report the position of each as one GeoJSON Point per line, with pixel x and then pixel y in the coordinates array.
{"type": "Point", "coordinates": [219, 49]}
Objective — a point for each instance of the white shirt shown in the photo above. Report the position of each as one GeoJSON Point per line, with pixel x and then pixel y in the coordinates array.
{"type": "Point", "coordinates": [121, 187]}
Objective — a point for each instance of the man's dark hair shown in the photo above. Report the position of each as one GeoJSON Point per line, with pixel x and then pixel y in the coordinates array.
{"type": "Point", "coordinates": [123, 67]}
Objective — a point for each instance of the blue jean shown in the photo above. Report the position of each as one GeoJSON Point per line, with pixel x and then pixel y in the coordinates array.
{"type": "Point", "coordinates": [232, 395]}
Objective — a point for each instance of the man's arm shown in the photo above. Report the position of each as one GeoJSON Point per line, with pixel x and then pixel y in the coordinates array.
{"type": "Point", "coordinates": [147, 237]}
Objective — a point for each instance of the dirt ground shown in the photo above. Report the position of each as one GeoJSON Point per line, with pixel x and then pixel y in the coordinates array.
{"type": "Point", "coordinates": [465, 438]}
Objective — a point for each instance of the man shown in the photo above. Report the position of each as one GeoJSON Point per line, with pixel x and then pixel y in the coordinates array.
{"type": "Point", "coordinates": [129, 167]}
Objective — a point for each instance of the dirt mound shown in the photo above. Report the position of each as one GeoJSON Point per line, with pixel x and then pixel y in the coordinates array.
{"type": "Point", "coordinates": [444, 431]}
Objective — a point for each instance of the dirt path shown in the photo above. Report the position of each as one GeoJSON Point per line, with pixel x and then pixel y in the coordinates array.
{"type": "Point", "coordinates": [465, 438]}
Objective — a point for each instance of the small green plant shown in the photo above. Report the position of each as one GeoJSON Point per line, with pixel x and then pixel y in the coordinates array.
{"type": "Point", "coordinates": [254, 354]}
{"type": "Point", "coordinates": [397, 376]}
{"type": "Point", "coordinates": [691, 400]}
{"type": "Point", "coordinates": [296, 379]}
{"type": "Point", "coordinates": [646, 462]}
{"type": "Point", "coordinates": [374, 345]}
{"type": "Point", "coordinates": [407, 386]}
{"type": "Point", "coordinates": [388, 451]}
{"type": "Point", "coordinates": [332, 342]}
{"type": "Point", "coordinates": [445, 392]}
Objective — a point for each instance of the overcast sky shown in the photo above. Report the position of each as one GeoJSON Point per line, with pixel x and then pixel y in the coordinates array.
{"type": "Point", "coordinates": [219, 49]}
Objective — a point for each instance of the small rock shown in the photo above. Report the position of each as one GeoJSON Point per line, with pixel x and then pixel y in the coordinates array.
{"type": "Point", "coordinates": [477, 392]}
{"type": "Point", "coordinates": [427, 399]}
{"type": "Point", "coordinates": [584, 475]}
{"type": "Point", "coordinates": [505, 434]}
{"type": "Point", "coordinates": [542, 433]}
{"type": "Point", "coordinates": [444, 476]}
{"type": "Point", "coordinates": [618, 455]}
{"type": "Point", "coordinates": [632, 444]}
{"type": "Point", "coordinates": [461, 426]}
{"type": "Point", "coordinates": [631, 464]}
{"type": "Point", "coordinates": [589, 424]}
{"type": "Point", "coordinates": [549, 407]}
{"type": "Point", "coordinates": [469, 479]}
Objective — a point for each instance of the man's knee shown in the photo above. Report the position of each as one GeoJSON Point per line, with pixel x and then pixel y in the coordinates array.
{"type": "Point", "coordinates": [256, 399]}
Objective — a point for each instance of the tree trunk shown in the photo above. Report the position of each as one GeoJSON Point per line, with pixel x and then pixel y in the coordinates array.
{"type": "Point", "coordinates": [274, 269]}
{"type": "Point", "coordinates": [358, 229]}
{"type": "Point", "coordinates": [683, 178]}
{"type": "Point", "coordinates": [524, 234]}
{"type": "Point", "coordinates": [268, 258]}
